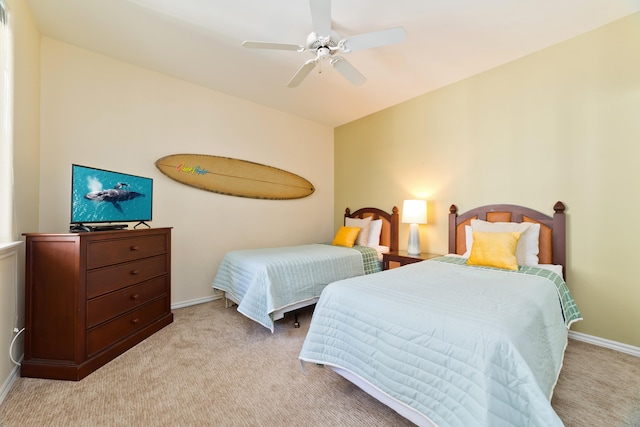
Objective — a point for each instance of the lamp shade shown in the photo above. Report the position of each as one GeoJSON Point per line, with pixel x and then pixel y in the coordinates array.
{"type": "Point", "coordinates": [414, 212]}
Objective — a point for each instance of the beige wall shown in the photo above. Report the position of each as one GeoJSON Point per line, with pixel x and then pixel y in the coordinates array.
{"type": "Point", "coordinates": [561, 124]}
{"type": "Point", "coordinates": [104, 113]}
{"type": "Point", "coordinates": [26, 168]}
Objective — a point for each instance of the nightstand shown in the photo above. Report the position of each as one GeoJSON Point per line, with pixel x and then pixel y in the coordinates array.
{"type": "Point", "coordinates": [403, 258]}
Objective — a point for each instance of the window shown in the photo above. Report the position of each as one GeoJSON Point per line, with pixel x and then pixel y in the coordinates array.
{"type": "Point", "coordinates": [7, 232]}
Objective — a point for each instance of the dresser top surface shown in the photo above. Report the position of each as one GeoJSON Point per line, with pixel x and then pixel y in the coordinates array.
{"type": "Point", "coordinates": [101, 233]}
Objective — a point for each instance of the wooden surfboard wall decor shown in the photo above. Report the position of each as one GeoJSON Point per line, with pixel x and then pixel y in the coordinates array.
{"type": "Point", "coordinates": [234, 177]}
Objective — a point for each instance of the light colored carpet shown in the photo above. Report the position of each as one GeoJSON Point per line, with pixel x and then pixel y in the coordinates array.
{"type": "Point", "coordinates": [214, 367]}
{"type": "Point", "coordinates": [598, 387]}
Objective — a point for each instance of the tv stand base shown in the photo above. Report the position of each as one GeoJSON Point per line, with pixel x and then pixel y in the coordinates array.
{"type": "Point", "coordinates": [81, 228]}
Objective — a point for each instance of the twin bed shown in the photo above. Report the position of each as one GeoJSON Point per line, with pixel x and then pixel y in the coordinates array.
{"type": "Point", "coordinates": [268, 283]}
{"type": "Point", "coordinates": [443, 342]}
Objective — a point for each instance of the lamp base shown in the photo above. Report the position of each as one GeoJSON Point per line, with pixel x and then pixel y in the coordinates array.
{"type": "Point", "coordinates": [413, 247]}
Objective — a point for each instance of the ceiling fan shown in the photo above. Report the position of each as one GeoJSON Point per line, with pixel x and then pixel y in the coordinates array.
{"type": "Point", "coordinates": [324, 44]}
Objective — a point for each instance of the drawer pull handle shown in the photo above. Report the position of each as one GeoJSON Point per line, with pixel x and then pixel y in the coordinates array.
{"type": "Point", "coordinates": [134, 272]}
{"type": "Point", "coordinates": [135, 297]}
{"type": "Point", "coordinates": [134, 321]}
{"type": "Point", "coordinates": [135, 248]}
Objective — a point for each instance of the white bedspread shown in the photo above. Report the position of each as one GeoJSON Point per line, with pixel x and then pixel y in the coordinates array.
{"type": "Point", "coordinates": [266, 280]}
{"type": "Point", "coordinates": [461, 345]}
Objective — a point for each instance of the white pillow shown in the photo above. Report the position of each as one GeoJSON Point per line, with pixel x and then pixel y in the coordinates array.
{"type": "Point", "coordinates": [381, 250]}
{"type": "Point", "coordinates": [363, 236]}
{"type": "Point", "coordinates": [527, 248]}
{"type": "Point", "coordinates": [468, 238]}
{"type": "Point", "coordinates": [375, 228]}
{"type": "Point", "coordinates": [555, 268]}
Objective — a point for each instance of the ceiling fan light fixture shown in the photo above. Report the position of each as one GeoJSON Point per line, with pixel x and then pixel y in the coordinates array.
{"type": "Point", "coordinates": [322, 42]}
{"type": "Point", "coordinates": [324, 53]}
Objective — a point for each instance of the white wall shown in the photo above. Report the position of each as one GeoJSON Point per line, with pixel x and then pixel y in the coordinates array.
{"type": "Point", "coordinates": [26, 128]}
{"type": "Point", "coordinates": [100, 112]}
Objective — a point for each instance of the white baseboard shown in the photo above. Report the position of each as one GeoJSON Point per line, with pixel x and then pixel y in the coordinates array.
{"type": "Point", "coordinates": [614, 345]}
{"type": "Point", "coordinates": [196, 301]}
{"type": "Point", "coordinates": [15, 373]}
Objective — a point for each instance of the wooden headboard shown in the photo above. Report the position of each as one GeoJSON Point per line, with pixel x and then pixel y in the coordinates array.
{"type": "Point", "coordinates": [552, 241]}
{"type": "Point", "coordinates": [390, 221]}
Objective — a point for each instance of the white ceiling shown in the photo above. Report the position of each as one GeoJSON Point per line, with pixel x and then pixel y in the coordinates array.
{"type": "Point", "coordinates": [200, 41]}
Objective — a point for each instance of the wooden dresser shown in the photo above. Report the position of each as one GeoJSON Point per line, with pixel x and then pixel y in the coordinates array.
{"type": "Point", "coordinates": [89, 297]}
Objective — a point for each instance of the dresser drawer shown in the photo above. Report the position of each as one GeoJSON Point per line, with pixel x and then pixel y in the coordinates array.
{"type": "Point", "coordinates": [111, 305]}
{"type": "Point", "coordinates": [107, 252]}
{"type": "Point", "coordinates": [119, 276]}
{"type": "Point", "coordinates": [109, 333]}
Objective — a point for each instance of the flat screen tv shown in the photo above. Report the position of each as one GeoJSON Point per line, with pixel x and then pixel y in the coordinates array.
{"type": "Point", "coordinates": [105, 197]}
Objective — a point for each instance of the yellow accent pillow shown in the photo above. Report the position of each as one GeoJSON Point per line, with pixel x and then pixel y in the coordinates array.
{"type": "Point", "coordinates": [494, 249]}
{"type": "Point", "coordinates": [346, 236]}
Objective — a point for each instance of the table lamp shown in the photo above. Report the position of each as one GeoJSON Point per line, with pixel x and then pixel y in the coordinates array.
{"type": "Point", "coordinates": [414, 212]}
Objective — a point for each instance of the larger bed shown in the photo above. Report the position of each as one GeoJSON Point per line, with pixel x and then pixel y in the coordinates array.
{"type": "Point", "coordinates": [445, 343]}
{"type": "Point", "coordinates": [267, 283]}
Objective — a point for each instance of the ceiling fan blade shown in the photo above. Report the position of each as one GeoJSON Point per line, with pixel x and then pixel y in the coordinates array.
{"type": "Point", "coordinates": [321, 17]}
{"type": "Point", "coordinates": [276, 46]}
{"type": "Point", "coordinates": [348, 71]}
{"type": "Point", "coordinates": [374, 39]}
{"type": "Point", "coordinates": [303, 72]}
